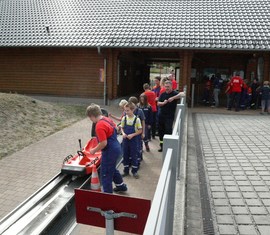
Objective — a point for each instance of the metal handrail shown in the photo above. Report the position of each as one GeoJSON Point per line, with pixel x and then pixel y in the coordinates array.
{"type": "Point", "coordinates": [159, 198]}
{"type": "Point", "coordinates": [160, 219]}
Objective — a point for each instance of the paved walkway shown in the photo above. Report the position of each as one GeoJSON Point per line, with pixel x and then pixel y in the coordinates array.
{"type": "Point", "coordinates": [235, 154]}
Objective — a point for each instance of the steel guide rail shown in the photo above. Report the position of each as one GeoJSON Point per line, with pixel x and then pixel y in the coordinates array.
{"type": "Point", "coordinates": [50, 210]}
{"type": "Point", "coordinates": [38, 211]}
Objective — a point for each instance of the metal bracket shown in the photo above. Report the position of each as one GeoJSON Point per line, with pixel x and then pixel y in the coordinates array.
{"type": "Point", "coordinates": [111, 214]}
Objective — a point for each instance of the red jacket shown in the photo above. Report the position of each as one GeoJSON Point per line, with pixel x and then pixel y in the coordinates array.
{"type": "Point", "coordinates": [174, 84]}
{"type": "Point", "coordinates": [236, 84]}
{"type": "Point", "coordinates": [151, 97]}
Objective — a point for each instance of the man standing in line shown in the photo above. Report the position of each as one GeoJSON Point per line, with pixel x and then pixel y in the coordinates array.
{"type": "Point", "coordinates": [218, 82]}
{"type": "Point", "coordinates": [172, 79]}
{"type": "Point", "coordinates": [156, 89]}
{"type": "Point", "coordinates": [236, 84]}
{"type": "Point", "coordinates": [167, 103]}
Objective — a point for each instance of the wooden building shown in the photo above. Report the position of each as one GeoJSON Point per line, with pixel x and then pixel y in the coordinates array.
{"type": "Point", "coordinates": [97, 48]}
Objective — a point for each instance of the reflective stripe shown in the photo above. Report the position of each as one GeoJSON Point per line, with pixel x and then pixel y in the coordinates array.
{"type": "Point", "coordinates": [118, 185]}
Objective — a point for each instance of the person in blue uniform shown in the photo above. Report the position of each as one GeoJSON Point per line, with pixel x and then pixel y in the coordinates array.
{"type": "Point", "coordinates": [148, 113]}
{"type": "Point", "coordinates": [217, 83]}
{"type": "Point", "coordinates": [110, 148]}
{"type": "Point", "coordinates": [139, 113]}
{"type": "Point", "coordinates": [131, 128]}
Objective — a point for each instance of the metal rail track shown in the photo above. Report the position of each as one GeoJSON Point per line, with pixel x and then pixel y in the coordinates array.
{"type": "Point", "coordinates": [50, 210]}
{"type": "Point", "coordinates": [41, 213]}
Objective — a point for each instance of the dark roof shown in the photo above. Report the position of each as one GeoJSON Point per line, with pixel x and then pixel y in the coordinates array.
{"type": "Point", "coordinates": [192, 24]}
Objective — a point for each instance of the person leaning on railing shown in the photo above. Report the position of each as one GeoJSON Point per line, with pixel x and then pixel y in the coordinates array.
{"type": "Point", "coordinates": [167, 103]}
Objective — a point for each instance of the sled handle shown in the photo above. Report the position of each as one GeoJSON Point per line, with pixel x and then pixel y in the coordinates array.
{"type": "Point", "coordinates": [67, 158]}
{"type": "Point", "coordinates": [92, 162]}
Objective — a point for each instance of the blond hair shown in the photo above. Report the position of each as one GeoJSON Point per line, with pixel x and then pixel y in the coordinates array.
{"type": "Point", "coordinates": [122, 103]}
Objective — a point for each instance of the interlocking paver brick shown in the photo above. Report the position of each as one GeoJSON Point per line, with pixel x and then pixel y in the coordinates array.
{"type": "Point", "coordinates": [262, 220]}
{"type": "Point", "coordinates": [264, 194]}
{"type": "Point", "coordinates": [253, 202]}
{"type": "Point", "coordinates": [250, 173]}
{"type": "Point", "coordinates": [234, 195]}
{"type": "Point", "coordinates": [223, 173]}
{"type": "Point", "coordinates": [222, 210]}
{"type": "Point", "coordinates": [256, 210]}
{"type": "Point", "coordinates": [243, 183]}
{"type": "Point", "coordinates": [214, 177]}
{"type": "Point", "coordinates": [265, 177]}
{"type": "Point", "coordinates": [215, 183]}
{"type": "Point", "coordinates": [225, 219]}
{"type": "Point", "coordinates": [229, 183]}
{"type": "Point", "coordinates": [247, 230]}
{"type": "Point", "coordinates": [264, 230]}
{"type": "Point", "coordinates": [221, 202]}
{"type": "Point", "coordinates": [237, 202]}
{"type": "Point", "coordinates": [219, 195]}
{"type": "Point", "coordinates": [240, 177]}
{"type": "Point", "coordinates": [246, 188]}
{"type": "Point", "coordinates": [227, 230]}
{"type": "Point", "coordinates": [217, 188]}
{"type": "Point", "coordinates": [261, 189]}
{"type": "Point", "coordinates": [257, 183]}
{"type": "Point", "coordinates": [263, 173]}
{"type": "Point", "coordinates": [266, 202]}
{"type": "Point", "coordinates": [231, 189]}
{"type": "Point", "coordinates": [243, 219]}
{"type": "Point", "coordinates": [240, 210]}
{"type": "Point", "coordinates": [249, 195]}
{"type": "Point", "coordinates": [227, 177]}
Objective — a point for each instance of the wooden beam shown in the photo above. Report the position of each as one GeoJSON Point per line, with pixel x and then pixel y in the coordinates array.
{"type": "Point", "coordinates": [185, 70]}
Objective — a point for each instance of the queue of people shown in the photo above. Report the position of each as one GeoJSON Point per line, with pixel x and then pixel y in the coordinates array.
{"type": "Point", "coordinates": [240, 94]}
{"type": "Point", "coordinates": [141, 120]}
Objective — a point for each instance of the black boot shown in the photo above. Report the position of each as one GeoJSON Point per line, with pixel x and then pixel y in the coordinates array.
{"type": "Point", "coordinates": [161, 148]}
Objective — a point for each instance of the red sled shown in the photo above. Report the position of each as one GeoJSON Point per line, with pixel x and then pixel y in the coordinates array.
{"type": "Point", "coordinates": [81, 164]}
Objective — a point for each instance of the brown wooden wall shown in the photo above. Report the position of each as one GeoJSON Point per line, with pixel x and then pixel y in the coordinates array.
{"type": "Point", "coordinates": [51, 71]}
{"type": "Point", "coordinates": [75, 71]}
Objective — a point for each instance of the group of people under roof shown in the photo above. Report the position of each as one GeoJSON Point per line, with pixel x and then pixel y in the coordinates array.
{"type": "Point", "coordinates": [142, 119]}
{"type": "Point", "coordinates": [240, 94]}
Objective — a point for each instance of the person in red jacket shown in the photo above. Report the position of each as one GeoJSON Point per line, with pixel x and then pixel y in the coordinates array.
{"type": "Point", "coordinates": [236, 84]}
{"type": "Point", "coordinates": [172, 79]}
{"type": "Point", "coordinates": [110, 148]}
{"type": "Point", "coordinates": [151, 98]}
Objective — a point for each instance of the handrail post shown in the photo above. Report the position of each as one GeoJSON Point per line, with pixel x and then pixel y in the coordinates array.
{"type": "Point", "coordinates": [171, 141]}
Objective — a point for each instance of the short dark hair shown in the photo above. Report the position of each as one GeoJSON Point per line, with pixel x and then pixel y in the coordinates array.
{"type": "Point", "coordinates": [146, 86]}
{"type": "Point", "coordinates": [133, 99]}
{"type": "Point", "coordinates": [237, 73]}
{"type": "Point", "coordinates": [130, 105]}
{"type": "Point", "coordinates": [93, 110]}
